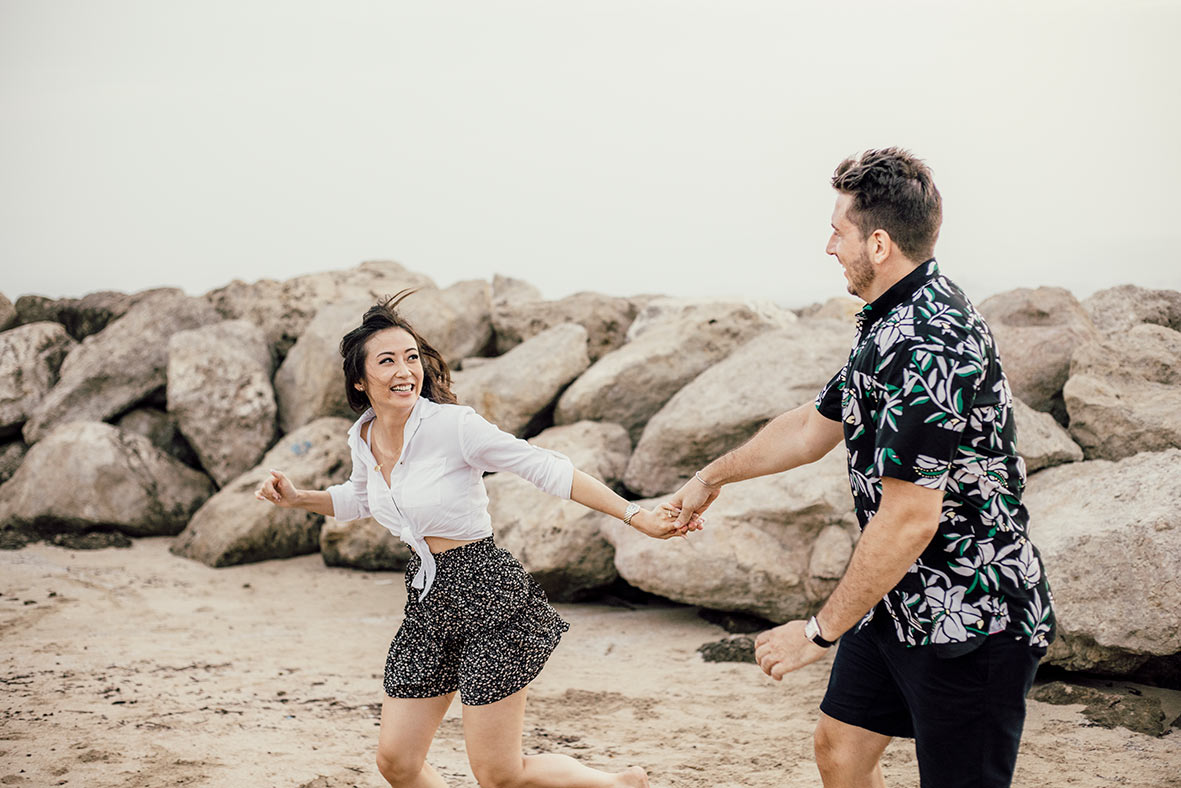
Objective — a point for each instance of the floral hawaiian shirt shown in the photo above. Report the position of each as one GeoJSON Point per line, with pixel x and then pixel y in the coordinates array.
{"type": "Point", "coordinates": [923, 399]}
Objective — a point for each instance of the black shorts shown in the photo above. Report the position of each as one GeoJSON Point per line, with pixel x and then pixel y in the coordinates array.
{"type": "Point", "coordinates": [485, 629]}
{"type": "Point", "coordinates": [965, 713]}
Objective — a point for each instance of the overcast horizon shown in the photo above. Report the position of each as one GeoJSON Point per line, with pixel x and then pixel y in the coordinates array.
{"type": "Point", "coordinates": [625, 147]}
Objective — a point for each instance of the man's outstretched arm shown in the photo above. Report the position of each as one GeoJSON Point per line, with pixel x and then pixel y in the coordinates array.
{"type": "Point", "coordinates": [795, 438]}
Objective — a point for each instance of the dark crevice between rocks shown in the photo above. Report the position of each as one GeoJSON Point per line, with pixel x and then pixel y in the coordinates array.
{"type": "Point", "coordinates": [735, 623]}
{"type": "Point", "coordinates": [1164, 672]}
{"type": "Point", "coordinates": [63, 534]}
{"type": "Point", "coordinates": [620, 593]}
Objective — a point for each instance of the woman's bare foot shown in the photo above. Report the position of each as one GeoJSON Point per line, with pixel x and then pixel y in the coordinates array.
{"type": "Point", "coordinates": [635, 777]}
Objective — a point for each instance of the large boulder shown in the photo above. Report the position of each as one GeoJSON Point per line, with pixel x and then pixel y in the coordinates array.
{"type": "Point", "coordinates": [670, 343]}
{"type": "Point", "coordinates": [507, 289]}
{"type": "Point", "coordinates": [86, 315]}
{"type": "Point", "coordinates": [556, 540]}
{"type": "Point", "coordinates": [1110, 536]}
{"type": "Point", "coordinates": [1124, 393]}
{"type": "Point", "coordinates": [1036, 332]}
{"type": "Point", "coordinates": [283, 309]}
{"type": "Point", "coordinates": [87, 475]}
{"type": "Point", "coordinates": [362, 544]}
{"type": "Point", "coordinates": [731, 400]}
{"type": "Point", "coordinates": [456, 321]}
{"type": "Point", "coordinates": [8, 316]}
{"type": "Point", "coordinates": [234, 527]}
{"type": "Point", "coordinates": [161, 429]}
{"type": "Point", "coordinates": [773, 547]}
{"type": "Point", "coordinates": [605, 318]}
{"type": "Point", "coordinates": [1041, 440]}
{"type": "Point", "coordinates": [309, 384]}
{"type": "Point", "coordinates": [219, 390]}
{"type": "Point", "coordinates": [516, 390]}
{"type": "Point", "coordinates": [121, 365]}
{"type": "Point", "coordinates": [1119, 308]}
{"type": "Point", "coordinates": [30, 357]}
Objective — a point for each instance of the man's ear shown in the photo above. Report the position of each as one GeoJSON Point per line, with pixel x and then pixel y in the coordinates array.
{"type": "Point", "coordinates": [879, 245]}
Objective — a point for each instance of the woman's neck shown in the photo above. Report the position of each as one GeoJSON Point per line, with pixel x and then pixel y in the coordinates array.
{"type": "Point", "coordinates": [390, 423]}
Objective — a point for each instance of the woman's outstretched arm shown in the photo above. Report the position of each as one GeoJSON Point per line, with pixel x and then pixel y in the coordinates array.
{"type": "Point", "coordinates": [279, 490]}
{"type": "Point", "coordinates": [593, 494]}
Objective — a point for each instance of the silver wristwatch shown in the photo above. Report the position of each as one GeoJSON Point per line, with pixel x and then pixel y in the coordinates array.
{"type": "Point", "coordinates": [630, 512]}
{"type": "Point", "coordinates": [812, 632]}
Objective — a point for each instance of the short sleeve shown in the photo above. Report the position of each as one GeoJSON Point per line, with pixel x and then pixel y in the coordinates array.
{"type": "Point", "coordinates": [828, 401]}
{"type": "Point", "coordinates": [926, 396]}
{"type": "Point", "coordinates": [489, 448]}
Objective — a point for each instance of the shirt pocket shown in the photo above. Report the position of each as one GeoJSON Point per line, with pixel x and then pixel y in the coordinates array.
{"type": "Point", "coordinates": [424, 483]}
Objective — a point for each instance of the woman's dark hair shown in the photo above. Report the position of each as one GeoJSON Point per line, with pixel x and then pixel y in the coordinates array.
{"type": "Point", "coordinates": [436, 378]}
{"type": "Point", "coordinates": [893, 190]}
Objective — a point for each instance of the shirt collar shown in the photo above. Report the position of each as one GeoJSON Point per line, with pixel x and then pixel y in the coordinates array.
{"type": "Point", "coordinates": [899, 292]}
{"type": "Point", "coordinates": [423, 408]}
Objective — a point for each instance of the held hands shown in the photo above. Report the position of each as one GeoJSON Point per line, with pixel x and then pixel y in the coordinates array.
{"type": "Point", "coordinates": [691, 501]}
{"type": "Point", "coordinates": [278, 490]}
{"type": "Point", "coordinates": [662, 523]}
{"type": "Point", "coordinates": [784, 649]}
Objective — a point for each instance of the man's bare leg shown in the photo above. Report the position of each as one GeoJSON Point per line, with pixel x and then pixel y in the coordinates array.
{"type": "Point", "coordinates": [848, 756]}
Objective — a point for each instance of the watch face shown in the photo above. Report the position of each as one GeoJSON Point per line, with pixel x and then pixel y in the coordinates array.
{"type": "Point", "coordinates": [811, 629]}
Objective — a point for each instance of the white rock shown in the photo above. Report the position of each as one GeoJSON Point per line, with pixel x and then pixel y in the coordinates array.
{"type": "Point", "coordinates": [309, 384]}
{"type": "Point", "coordinates": [219, 390]}
{"type": "Point", "coordinates": [116, 368]}
{"type": "Point", "coordinates": [85, 475]}
{"type": "Point", "coordinates": [30, 357]}
{"type": "Point", "coordinates": [515, 389]}
{"type": "Point", "coordinates": [1041, 440]}
{"type": "Point", "coordinates": [755, 554]}
{"type": "Point", "coordinates": [1124, 393]}
{"type": "Point", "coordinates": [732, 399]}
{"type": "Point", "coordinates": [1036, 332]}
{"type": "Point", "coordinates": [677, 341]}
{"type": "Point", "coordinates": [605, 318]}
{"type": "Point", "coordinates": [233, 527]}
{"type": "Point", "coordinates": [1119, 308]}
{"type": "Point", "coordinates": [1110, 536]}
{"type": "Point", "coordinates": [283, 309]}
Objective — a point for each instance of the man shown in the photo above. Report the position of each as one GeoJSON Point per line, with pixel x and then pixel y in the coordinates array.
{"type": "Point", "coordinates": [944, 609]}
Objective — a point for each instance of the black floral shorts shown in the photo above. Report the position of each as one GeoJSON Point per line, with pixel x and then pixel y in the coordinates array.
{"type": "Point", "coordinates": [485, 629]}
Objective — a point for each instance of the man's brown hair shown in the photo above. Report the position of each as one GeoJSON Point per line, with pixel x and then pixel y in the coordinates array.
{"type": "Point", "coordinates": [893, 191]}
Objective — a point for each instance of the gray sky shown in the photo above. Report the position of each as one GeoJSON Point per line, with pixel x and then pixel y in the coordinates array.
{"type": "Point", "coordinates": [623, 146]}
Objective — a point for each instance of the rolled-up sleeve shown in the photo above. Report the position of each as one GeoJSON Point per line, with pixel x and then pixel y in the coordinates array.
{"type": "Point", "coordinates": [350, 500]}
{"type": "Point", "coordinates": [489, 448]}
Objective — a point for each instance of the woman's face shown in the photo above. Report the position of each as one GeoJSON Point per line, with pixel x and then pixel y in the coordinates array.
{"type": "Point", "coordinates": [393, 369]}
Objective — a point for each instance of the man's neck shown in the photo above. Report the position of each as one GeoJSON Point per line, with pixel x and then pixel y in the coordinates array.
{"type": "Point", "coordinates": [891, 272]}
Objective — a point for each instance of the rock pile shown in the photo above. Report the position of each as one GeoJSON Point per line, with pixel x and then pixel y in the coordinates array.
{"type": "Point", "coordinates": [159, 413]}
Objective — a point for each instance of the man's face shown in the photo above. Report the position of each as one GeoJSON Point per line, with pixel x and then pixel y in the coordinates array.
{"type": "Point", "coordinates": [850, 249]}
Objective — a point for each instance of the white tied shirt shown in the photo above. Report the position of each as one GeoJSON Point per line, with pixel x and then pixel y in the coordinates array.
{"type": "Point", "coordinates": [437, 486]}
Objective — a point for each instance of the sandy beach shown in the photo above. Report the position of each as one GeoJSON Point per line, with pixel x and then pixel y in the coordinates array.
{"type": "Point", "coordinates": [133, 667]}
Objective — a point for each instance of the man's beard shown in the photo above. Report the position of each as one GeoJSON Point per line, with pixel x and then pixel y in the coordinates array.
{"type": "Point", "coordinates": [861, 275]}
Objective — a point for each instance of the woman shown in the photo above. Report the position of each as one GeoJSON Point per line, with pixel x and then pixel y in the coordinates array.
{"type": "Point", "coordinates": [475, 622]}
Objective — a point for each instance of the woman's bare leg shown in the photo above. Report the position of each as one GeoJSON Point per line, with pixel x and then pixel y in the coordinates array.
{"type": "Point", "coordinates": [493, 737]}
{"type": "Point", "coordinates": [407, 727]}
